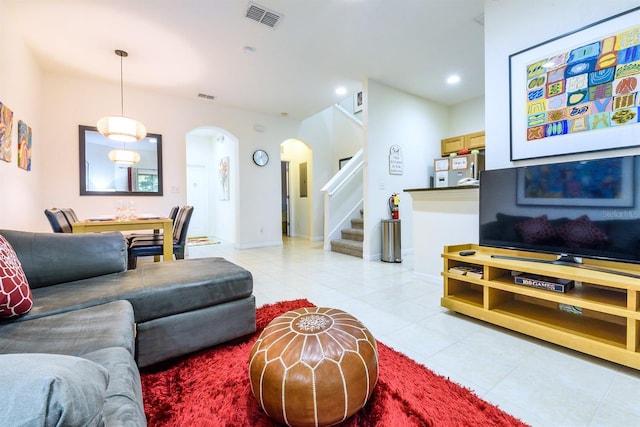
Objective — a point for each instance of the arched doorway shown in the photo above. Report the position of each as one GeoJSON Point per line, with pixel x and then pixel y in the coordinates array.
{"type": "Point", "coordinates": [212, 182]}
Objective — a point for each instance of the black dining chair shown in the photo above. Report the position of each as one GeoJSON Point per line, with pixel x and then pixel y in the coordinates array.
{"type": "Point", "coordinates": [173, 213]}
{"type": "Point", "coordinates": [153, 247]}
{"type": "Point", "coordinates": [57, 219]}
{"type": "Point", "coordinates": [70, 214]}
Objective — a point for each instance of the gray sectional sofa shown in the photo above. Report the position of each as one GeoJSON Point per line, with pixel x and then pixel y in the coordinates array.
{"type": "Point", "coordinates": [94, 323]}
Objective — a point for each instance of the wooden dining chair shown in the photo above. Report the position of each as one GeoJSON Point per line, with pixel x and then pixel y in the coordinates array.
{"type": "Point", "coordinates": [153, 247]}
{"type": "Point", "coordinates": [57, 219]}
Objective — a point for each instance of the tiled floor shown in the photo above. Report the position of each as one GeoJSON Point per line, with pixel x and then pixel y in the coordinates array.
{"type": "Point", "coordinates": [542, 384]}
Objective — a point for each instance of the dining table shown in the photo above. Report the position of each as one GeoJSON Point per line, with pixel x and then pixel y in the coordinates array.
{"type": "Point", "coordinates": [100, 224]}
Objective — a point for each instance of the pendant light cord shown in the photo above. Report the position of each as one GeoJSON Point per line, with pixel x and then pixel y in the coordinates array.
{"type": "Point", "coordinates": [121, 89]}
{"type": "Point", "coordinates": [122, 54]}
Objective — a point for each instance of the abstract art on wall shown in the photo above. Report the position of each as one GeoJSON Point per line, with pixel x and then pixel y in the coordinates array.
{"type": "Point", "coordinates": [24, 146]}
{"type": "Point", "coordinates": [6, 125]}
{"type": "Point", "coordinates": [606, 182]}
{"type": "Point", "coordinates": [578, 92]}
{"type": "Point", "coordinates": [224, 178]}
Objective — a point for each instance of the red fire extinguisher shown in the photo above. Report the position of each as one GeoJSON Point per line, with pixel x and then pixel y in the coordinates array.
{"type": "Point", "coordinates": [394, 206]}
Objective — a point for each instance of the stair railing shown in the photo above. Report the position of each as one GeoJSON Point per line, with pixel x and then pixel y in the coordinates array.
{"type": "Point", "coordinates": [348, 114]}
{"type": "Point", "coordinates": [343, 198]}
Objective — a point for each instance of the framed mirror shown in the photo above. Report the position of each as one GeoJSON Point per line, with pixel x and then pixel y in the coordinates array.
{"type": "Point", "coordinates": [99, 175]}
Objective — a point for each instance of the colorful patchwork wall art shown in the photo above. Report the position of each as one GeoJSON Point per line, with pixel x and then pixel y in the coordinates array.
{"type": "Point", "coordinates": [24, 146]}
{"type": "Point", "coordinates": [6, 125]}
{"type": "Point", "coordinates": [578, 92]}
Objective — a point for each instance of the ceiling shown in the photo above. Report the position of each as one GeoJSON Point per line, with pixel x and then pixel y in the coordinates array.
{"type": "Point", "coordinates": [191, 47]}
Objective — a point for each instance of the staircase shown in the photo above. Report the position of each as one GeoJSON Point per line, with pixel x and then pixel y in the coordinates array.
{"type": "Point", "coordinates": [351, 242]}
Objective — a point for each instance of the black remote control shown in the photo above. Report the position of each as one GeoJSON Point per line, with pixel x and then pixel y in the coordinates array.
{"type": "Point", "coordinates": [467, 253]}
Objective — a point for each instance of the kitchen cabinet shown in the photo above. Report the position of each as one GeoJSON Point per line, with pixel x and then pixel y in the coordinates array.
{"type": "Point", "coordinates": [471, 141]}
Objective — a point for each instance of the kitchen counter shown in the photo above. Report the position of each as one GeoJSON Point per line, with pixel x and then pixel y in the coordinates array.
{"type": "Point", "coordinates": [461, 187]}
{"type": "Point", "coordinates": [441, 216]}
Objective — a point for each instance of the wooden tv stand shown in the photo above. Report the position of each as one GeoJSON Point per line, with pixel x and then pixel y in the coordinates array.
{"type": "Point", "coordinates": [600, 316]}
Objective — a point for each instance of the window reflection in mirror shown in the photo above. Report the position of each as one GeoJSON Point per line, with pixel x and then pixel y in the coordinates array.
{"type": "Point", "coordinates": [101, 176]}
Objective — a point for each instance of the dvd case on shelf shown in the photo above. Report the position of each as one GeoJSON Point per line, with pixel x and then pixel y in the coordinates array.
{"type": "Point", "coordinates": [543, 282]}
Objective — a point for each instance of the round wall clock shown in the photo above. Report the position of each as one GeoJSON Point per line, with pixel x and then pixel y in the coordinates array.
{"type": "Point", "coordinates": [260, 157]}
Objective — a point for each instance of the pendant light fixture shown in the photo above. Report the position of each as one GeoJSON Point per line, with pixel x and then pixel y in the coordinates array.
{"type": "Point", "coordinates": [121, 128]}
{"type": "Point", "coordinates": [124, 157]}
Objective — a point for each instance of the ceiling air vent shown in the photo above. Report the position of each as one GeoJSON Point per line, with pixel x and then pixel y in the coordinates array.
{"type": "Point", "coordinates": [263, 15]}
{"type": "Point", "coordinates": [205, 96]}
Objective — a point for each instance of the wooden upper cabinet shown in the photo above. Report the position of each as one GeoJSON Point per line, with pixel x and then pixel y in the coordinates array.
{"type": "Point", "coordinates": [451, 145]}
{"type": "Point", "coordinates": [474, 141]}
{"type": "Point", "coordinates": [471, 141]}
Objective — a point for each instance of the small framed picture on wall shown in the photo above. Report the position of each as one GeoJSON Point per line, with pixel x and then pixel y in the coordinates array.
{"type": "Point", "coordinates": [357, 102]}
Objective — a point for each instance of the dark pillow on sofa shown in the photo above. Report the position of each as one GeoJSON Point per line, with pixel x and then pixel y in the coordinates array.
{"type": "Point", "coordinates": [536, 230]}
{"type": "Point", "coordinates": [52, 390]}
{"type": "Point", "coordinates": [581, 233]}
{"type": "Point", "coordinates": [507, 225]}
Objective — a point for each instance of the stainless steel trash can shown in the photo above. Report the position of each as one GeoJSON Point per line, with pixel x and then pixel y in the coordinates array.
{"type": "Point", "coordinates": [391, 248]}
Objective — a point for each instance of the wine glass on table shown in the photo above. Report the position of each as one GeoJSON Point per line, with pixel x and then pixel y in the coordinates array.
{"type": "Point", "coordinates": [120, 210]}
{"type": "Point", "coordinates": [132, 210]}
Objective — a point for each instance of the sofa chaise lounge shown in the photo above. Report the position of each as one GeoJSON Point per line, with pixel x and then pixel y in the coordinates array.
{"type": "Point", "coordinates": [94, 323]}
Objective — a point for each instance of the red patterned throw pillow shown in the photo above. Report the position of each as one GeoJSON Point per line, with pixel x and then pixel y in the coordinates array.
{"type": "Point", "coordinates": [582, 233]}
{"type": "Point", "coordinates": [536, 230]}
{"type": "Point", "coordinates": [15, 294]}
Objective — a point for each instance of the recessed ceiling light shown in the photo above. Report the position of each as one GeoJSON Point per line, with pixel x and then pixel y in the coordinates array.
{"type": "Point", "coordinates": [453, 79]}
{"type": "Point", "coordinates": [341, 90]}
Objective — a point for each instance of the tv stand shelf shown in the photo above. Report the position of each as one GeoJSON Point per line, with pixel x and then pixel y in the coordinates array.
{"type": "Point", "coordinates": [599, 316]}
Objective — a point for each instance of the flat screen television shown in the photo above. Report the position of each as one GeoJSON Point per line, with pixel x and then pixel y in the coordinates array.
{"type": "Point", "coordinates": [578, 209]}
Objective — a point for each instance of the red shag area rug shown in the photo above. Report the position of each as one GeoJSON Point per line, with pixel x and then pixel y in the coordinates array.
{"type": "Point", "coordinates": [212, 388]}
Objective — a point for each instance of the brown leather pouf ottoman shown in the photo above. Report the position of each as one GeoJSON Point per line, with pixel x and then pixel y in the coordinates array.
{"type": "Point", "coordinates": [313, 367]}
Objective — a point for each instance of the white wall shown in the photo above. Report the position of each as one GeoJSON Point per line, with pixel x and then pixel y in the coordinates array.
{"type": "Point", "coordinates": [417, 126]}
{"type": "Point", "coordinates": [201, 184]}
{"type": "Point", "coordinates": [332, 135]}
{"type": "Point", "coordinates": [348, 137]}
{"type": "Point", "coordinates": [317, 132]}
{"type": "Point", "coordinates": [511, 26]}
{"type": "Point", "coordinates": [79, 101]}
{"type": "Point", "coordinates": [20, 90]}
{"type": "Point", "coordinates": [349, 102]}
{"type": "Point", "coordinates": [466, 117]}
{"type": "Point", "coordinates": [447, 217]}
{"type": "Point", "coordinates": [54, 105]}
{"type": "Point", "coordinates": [205, 149]}
{"type": "Point", "coordinates": [224, 212]}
